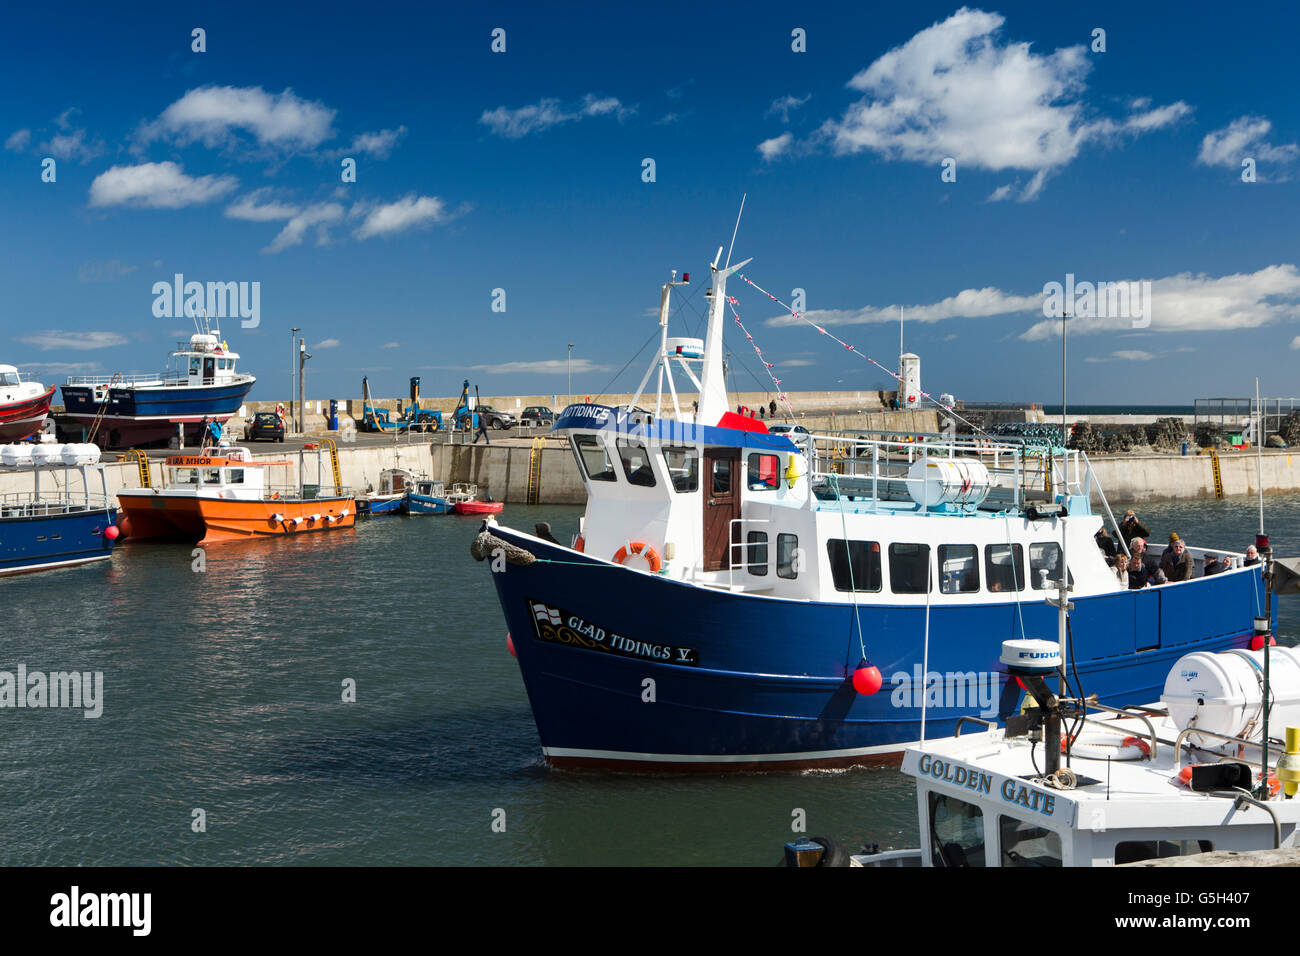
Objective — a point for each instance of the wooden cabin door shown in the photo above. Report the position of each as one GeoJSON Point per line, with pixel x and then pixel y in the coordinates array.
{"type": "Point", "coordinates": [721, 505]}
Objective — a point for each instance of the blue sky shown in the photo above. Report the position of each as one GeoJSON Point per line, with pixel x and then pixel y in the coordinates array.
{"type": "Point", "coordinates": [522, 171]}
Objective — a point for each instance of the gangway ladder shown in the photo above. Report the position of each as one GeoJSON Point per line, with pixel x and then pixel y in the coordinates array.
{"type": "Point", "coordinates": [142, 465]}
{"type": "Point", "coordinates": [334, 463]}
{"type": "Point", "coordinates": [1214, 468]}
{"type": "Point", "coordinates": [535, 471]}
{"type": "Point", "coordinates": [103, 406]}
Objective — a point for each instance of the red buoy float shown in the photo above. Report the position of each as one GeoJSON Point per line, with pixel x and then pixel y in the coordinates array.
{"type": "Point", "coordinates": [111, 532]}
{"type": "Point", "coordinates": [867, 679]}
{"type": "Point", "coordinates": [510, 646]}
{"type": "Point", "coordinates": [1257, 642]}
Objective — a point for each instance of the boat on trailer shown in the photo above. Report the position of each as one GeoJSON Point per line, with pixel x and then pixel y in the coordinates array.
{"type": "Point", "coordinates": [55, 525]}
{"type": "Point", "coordinates": [226, 496]}
{"type": "Point", "coordinates": [24, 406]}
{"type": "Point", "coordinates": [747, 578]}
{"type": "Point", "coordinates": [200, 385]}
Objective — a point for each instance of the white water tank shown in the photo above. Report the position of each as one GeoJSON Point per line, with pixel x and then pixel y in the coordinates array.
{"type": "Point", "coordinates": [685, 348]}
{"type": "Point", "coordinates": [940, 481]}
{"type": "Point", "coordinates": [51, 454]}
{"type": "Point", "coordinates": [16, 456]}
{"type": "Point", "coordinates": [80, 454]}
{"type": "Point", "coordinates": [1224, 692]}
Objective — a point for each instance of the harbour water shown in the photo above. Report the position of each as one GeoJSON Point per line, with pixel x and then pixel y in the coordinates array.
{"type": "Point", "coordinates": [223, 692]}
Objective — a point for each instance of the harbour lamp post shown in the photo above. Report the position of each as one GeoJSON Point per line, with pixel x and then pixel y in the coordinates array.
{"type": "Point", "coordinates": [292, 333]}
{"type": "Point", "coordinates": [569, 366]}
{"type": "Point", "coordinates": [303, 356]}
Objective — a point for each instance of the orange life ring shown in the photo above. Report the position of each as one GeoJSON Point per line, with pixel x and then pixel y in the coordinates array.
{"type": "Point", "coordinates": [580, 544]}
{"type": "Point", "coordinates": [643, 549]}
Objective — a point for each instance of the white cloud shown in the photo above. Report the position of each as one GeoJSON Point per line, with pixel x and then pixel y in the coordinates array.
{"type": "Point", "coordinates": [1241, 139]}
{"type": "Point", "coordinates": [548, 112]}
{"type": "Point", "coordinates": [405, 213]}
{"type": "Point", "coordinates": [215, 115]}
{"type": "Point", "coordinates": [969, 303]}
{"type": "Point", "coordinates": [317, 216]}
{"type": "Point", "coordinates": [782, 106]}
{"type": "Point", "coordinates": [543, 367]}
{"type": "Point", "coordinates": [775, 147]}
{"type": "Point", "coordinates": [71, 143]}
{"type": "Point", "coordinates": [1124, 355]}
{"type": "Point", "coordinates": [391, 345]}
{"type": "Point", "coordinates": [259, 206]}
{"type": "Point", "coordinates": [1201, 303]}
{"type": "Point", "coordinates": [957, 90]}
{"type": "Point", "coordinates": [63, 368]}
{"type": "Point", "coordinates": [379, 144]}
{"type": "Point", "coordinates": [103, 271]}
{"type": "Point", "coordinates": [1001, 193]}
{"type": "Point", "coordinates": [327, 344]}
{"type": "Point", "coordinates": [57, 339]}
{"type": "Point", "coordinates": [1295, 342]}
{"type": "Point", "coordinates": [1179, 303]}
{"type": "Point", "coordinates": [18, 140]}
{"type": "Point", "coordinates": [156, 186]}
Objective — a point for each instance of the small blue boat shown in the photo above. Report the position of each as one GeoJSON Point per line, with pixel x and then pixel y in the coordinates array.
{"type": "Point", "coordinates": [59, 527]}
{"type": "Point", "coordinates": [428, 498]}
{"type": "Point", "coordinates": [390, 499]}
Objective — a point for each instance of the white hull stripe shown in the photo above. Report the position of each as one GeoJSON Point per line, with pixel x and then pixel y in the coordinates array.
{"type": "Point", "coordinates": [54, 564]}
{"type": "Point", "coordinates": [563, 752]}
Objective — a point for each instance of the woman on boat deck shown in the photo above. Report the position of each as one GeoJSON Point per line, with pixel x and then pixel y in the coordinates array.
{"type": "Point", "coordinates": [1121, 568]}
{"type": "Point", "coordinates": [1176, 562]}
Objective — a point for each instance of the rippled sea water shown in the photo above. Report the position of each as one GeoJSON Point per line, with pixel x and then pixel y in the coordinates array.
{"type": "Point", "coordinates": [223, 692]}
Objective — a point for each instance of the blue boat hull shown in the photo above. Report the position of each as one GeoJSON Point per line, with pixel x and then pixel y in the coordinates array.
{"type": "Point", "coordinates": [746, 682]}
{"type": "Point", "coordinates": [381, 506]}
{"type": "Point", "coordinates": [144, 414]}
{"type": "Point", "coordinates": [43, 542]}
{"type": "Point", "coordinates": [427, 504]}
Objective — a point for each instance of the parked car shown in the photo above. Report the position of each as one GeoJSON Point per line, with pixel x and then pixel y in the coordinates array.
{"type": "Point", "coordinates": [783, 428]}
{"type": "Point", "coordinates": [537, 415]}
{"type": "Point", "coordinates": [493, 418]}
{"type": "Point", "coordinates": [265, 425]}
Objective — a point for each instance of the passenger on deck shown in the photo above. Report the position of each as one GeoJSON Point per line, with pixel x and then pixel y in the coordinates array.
{"type": "Point", "coordinates": [1143, 568]}
{"type": "Point", "coordinates": [1177, 562]}
{"type": "Point", "coordinates": [1106, 543]}
{"type": "Point", "coordinates": [1213, 565]}
{"type": "Point", "coordinates": [1252, 557]}
{"type": "Point", "coordinates": [1121, 568]}
{"type": "Point", "coordinates": [1130, 528]}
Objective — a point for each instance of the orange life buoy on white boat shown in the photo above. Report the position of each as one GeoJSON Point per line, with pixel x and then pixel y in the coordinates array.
{"type": "Point", "coordinates": [639, 547]}
{"type": "Point", "coordinates": [580, 544]}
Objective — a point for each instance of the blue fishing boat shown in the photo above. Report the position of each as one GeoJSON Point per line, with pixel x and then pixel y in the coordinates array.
{"type": "Point", "coordinates": [390, 499]}
{"type": "Point", "coordinates": [201, 385]}
{"type": "Point", "coordinates": [739, 600]}
{"type": "Point", "coordinates": [426, 497]}
{"type": "Point", "coordinates": [55, 525]}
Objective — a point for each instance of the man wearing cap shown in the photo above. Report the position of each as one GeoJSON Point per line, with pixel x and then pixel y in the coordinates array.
{"type": "Point", "coordinates": [1131, 528]}
{"type": "Point", "coordinates": [1176, 562]}
{"type": "Point", "coordinates": [1213, 565]}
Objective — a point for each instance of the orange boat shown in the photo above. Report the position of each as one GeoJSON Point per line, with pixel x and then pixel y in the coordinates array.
{"type": "Point", "coordinates": [226, 496]}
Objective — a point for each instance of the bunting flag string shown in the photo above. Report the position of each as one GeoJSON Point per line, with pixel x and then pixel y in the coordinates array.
{"type": "Point", "coordinates": [767, 366]}
{"type": "Point", "coordinates": [890, 372]}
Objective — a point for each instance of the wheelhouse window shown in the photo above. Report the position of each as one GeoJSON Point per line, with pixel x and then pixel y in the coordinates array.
{"type": "Point", "coordinates": [211, 476]}
{"type": "Point", "coordinates": [683, 467]}
{"type": "Point", "coordinates": [235, 476]}
{"type": "Point", "coordinates": [1004, 567]}
{"type": "Point", "coordinates": [1045, 566]}
{"type": "Point", "coordinates": [1134, 851]}
{"type": "Point", "coordinates": [909, 568]}
{"type": "Point", "coordinates": [855, 565]}
{"type": "Point", "coordinates": [787, 556]}
{"type": "Point", "coordinates": [757, 556]}
{"type": "Point", "coordinates": [9, 378]}
{"type": "Point", "coordinates": [593, 459]}
{"type": "Point", "coordinates": [1026, 844]}
{"type": "Point", "coordinates": [636, 464]}
{"type": "Point", "coordinates": [764, 474]}
{"type": "Point", "coordinates": [956, 832]}
{"type": "Point", "coordinates": [185, 476]}
{"type": "Point", "coordinates": [959, 568]}
{"type": "Point", "coordinates": [721, 481]}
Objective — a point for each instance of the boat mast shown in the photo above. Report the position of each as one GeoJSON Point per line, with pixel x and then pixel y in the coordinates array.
{"type": "Point", "coordinates": [713, 387]}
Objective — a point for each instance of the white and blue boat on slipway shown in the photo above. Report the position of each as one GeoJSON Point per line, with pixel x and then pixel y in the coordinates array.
{"type": "Point", "coordinates": [728, 583]}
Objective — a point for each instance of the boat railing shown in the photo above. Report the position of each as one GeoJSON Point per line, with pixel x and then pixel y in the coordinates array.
{"type": "Point", "coordinates": [307, 492]}
{"type": "Point", "coordinates": [28, 504]}
{"type": "Point", "coordinates": [874, 465]}
{"type": "Point", "coordinates": [121, 379]}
